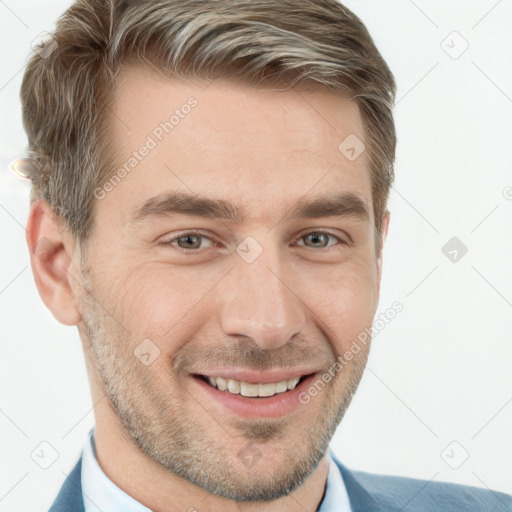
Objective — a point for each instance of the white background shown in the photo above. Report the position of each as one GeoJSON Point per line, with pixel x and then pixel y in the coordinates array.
{"type": "Point", "coordinates": [438, 373]}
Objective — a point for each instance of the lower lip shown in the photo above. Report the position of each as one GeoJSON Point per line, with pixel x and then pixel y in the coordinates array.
{"type": "Point", "coordinates": [256, 407]}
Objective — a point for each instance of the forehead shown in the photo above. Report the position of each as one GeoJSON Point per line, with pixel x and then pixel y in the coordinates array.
{"type": "Point", "coordinates": [259, 147]}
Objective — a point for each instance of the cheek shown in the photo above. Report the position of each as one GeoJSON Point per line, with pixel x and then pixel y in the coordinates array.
{"type": "Point", "coordinates": [345, 305]}
{"type": "Point", "coordinates": [156, 303]}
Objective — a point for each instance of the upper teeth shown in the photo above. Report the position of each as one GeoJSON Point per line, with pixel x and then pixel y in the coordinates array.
{"type": "Point", "coordinates": [247, 389]}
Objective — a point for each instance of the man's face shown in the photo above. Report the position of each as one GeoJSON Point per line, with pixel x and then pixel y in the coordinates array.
{"type": "Point", "coordinates": [178, 290]}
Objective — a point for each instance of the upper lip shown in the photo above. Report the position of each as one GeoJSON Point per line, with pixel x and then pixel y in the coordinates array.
{"type": "Point", "coordinates": [258, 376]}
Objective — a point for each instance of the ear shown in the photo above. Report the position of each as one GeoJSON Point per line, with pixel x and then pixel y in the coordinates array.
{"type": "Point", "coordinates": [51, 249]}
{"type": "Point", "coordinates": [383, 236]}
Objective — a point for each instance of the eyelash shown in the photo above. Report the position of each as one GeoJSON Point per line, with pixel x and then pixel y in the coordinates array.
{"type": "Point", "coordinates": [202, 235]}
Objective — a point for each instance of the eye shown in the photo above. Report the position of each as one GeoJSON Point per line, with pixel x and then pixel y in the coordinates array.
{"type": "Point", "coordinates": [189, 241]}
{"type": "Point", "coordinates": [192, 241]}
{"type": "Point", "coordinates": [320, 239]}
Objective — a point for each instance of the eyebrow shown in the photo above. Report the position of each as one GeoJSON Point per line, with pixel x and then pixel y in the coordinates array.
{"type": "Point", "coordinates": [346, 204]}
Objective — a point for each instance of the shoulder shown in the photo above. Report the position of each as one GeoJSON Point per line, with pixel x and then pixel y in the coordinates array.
{"type": "Point", "coordinates": [394, 493]}
{"type": "Point", "coordinates": [429, 496]}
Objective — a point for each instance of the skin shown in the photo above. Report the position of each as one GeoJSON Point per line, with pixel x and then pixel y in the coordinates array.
{"type": "Point", "coordinates": [303, 301]}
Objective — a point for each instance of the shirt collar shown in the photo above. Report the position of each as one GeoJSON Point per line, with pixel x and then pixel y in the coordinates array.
{"type": "Point", "coordinates": [336, 496]}
{"type": "Point", "coordinates": [100, 494]}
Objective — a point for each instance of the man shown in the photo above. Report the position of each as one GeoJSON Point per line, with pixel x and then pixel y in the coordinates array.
{"type": "Point", "coordinates": [209, 209]}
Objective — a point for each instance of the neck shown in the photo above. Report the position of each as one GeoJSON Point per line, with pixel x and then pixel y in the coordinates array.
{"type": "Point", "coordinates": [160, 490]}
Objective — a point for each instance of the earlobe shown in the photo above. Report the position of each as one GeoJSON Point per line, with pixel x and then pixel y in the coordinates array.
{"type": "Point", "coordinates": [51, 249]}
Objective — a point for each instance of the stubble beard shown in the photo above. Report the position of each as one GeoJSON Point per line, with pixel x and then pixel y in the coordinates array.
{"type": "Point", "coordinates": [164, 429]}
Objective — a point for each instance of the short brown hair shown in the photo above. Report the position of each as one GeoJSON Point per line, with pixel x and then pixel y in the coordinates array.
{"type": "Point", "coordinates": [70, 81]}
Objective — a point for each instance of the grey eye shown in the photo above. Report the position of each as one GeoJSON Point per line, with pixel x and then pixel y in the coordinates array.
{"type": "Point", "coordinates": [190, 241]}
{"type": "Point", "coordinates": [318, 240]}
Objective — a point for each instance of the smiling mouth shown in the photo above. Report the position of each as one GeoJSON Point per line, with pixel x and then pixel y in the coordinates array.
{"type": "Point", "coordinates": [252, 390]}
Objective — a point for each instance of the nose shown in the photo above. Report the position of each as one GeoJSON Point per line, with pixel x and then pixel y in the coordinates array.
{"type": "Point", "coordinates": [259, 301]}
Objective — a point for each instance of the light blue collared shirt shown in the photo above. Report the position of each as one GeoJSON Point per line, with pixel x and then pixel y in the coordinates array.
{"type": "Point", "coordinates": [102, 495]}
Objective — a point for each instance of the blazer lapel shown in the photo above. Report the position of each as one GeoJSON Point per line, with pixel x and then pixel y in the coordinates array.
{"type": "Point", "coordinates": [70, 497]}
{"type": "Point", "coordinates": [360, 499]}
